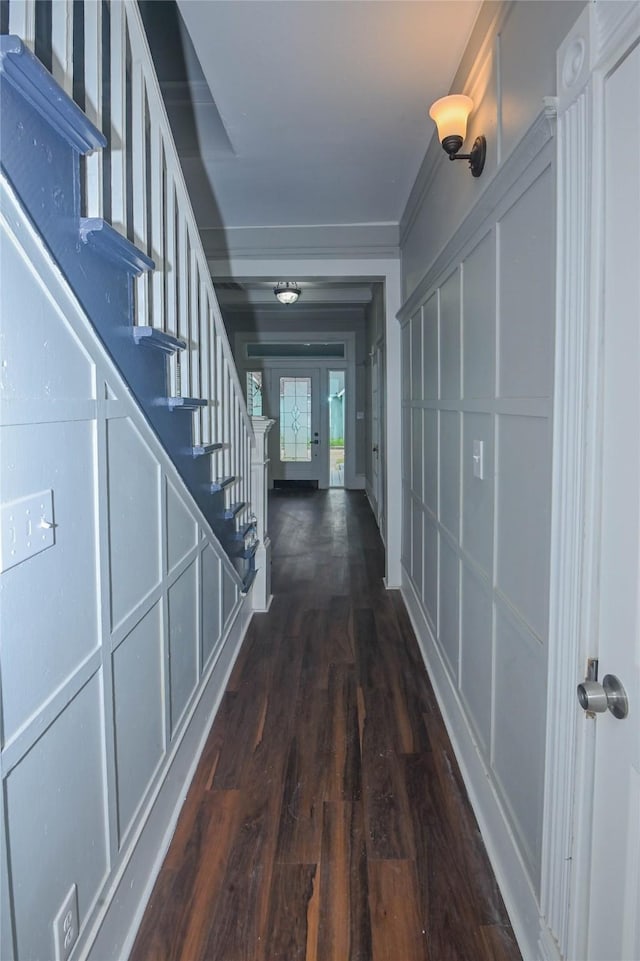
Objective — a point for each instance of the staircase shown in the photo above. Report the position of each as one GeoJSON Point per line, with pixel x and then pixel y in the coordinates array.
{"type": "Point", "coordinates": [108, 198]}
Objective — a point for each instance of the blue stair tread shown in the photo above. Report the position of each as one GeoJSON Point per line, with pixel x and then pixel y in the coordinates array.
{"type": "Point", "coordinates": [244, 530]}
{"type": "Point", "coordinates": [221, 483]}
{"type": "Point", "coordinates": [248, 552]}
{"type": "Point", "coordinates": [234, 509]}
{"type": "Point", "coordinates": [204, 449]}
{"type": "Point", "coordinates": [151, 337]}
{"type": "Point", "coordinates": [248, 581]}
{"type": "Point", "coordinates": [185, 403]}
{"type": "Point", "coordinates": [100, 235]}
{"type": "Point", "coordinates": [25, 72]}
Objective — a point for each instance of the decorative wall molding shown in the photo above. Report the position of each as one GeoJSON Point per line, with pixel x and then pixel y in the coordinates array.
{"type": "Point", "coordinates": [511, 873]}
{"type": "Point", "coordinates": [133, 860]}
{"type": "Point", "coordinates": [113, 931]}
{"type": "Point", "coordinates": [612, 24]}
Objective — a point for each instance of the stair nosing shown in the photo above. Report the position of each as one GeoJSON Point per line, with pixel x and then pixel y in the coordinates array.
{"type": "Point", "coordinates": [152, 337]}
{"type": "Point", "coordinates": [24, 71]}
{"type": "Point", "coordinates": [97, 233]}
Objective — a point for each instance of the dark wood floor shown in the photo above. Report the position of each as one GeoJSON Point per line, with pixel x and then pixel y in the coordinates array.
{"type": "Point", "coordinates": [327, 819]}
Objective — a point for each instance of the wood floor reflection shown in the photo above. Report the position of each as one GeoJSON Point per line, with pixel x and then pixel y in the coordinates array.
{"type": "Point", "coordinates": [327, 820]}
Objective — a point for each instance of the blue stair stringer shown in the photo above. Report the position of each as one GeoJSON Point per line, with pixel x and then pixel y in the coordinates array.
{"type": "Point", "coordinates": [43, 133]}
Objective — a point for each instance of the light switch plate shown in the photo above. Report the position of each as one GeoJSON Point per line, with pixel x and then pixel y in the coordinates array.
{"type": "Point", "coordinates": [26, 528]}
{"type": "Point", "coordinates": [478, 459]}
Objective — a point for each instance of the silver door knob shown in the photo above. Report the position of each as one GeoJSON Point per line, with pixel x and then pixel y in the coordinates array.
{"type": "Point", "coordinates": [610, 695]}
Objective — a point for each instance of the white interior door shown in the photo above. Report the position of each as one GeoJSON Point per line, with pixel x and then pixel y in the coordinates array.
{"type": "Point", "coordinates": [614, 900]}
{"type": "Point", "coordinates": [376, 444]}
{"type": "Point", "coordinates": [297, 447]}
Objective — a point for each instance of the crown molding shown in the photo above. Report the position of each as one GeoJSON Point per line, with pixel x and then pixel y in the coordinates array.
{"type": "Point", "coordinates": [326, 241]}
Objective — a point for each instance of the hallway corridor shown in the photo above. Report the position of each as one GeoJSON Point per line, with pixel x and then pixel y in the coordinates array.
{"type": "Point", "coordinates": [327, 818]}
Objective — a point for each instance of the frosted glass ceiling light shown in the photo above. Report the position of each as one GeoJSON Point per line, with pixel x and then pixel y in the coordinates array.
{"type": "Point", "coordinates": [450, 115]}
{"type": "Point", "coordinates": [287, 292]}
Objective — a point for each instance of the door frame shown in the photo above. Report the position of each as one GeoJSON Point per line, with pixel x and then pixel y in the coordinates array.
{"type": "Point", "coordinates": [601, 36]}
{"type": "Point", "coordinates": [376, 404]}
{"type": "Point", "coordinates": [324, 364]}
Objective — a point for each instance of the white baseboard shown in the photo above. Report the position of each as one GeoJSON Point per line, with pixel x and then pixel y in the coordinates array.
{"type": "Point", "coordinates": [113, 933]}
{"type": "Point", "coordinates": [514, 883]}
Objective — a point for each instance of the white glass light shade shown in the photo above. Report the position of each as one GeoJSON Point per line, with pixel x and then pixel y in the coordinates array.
{"type": "Point", "coordinates": [450, 115]}
{"type": "Point", "coordinates": [287, 292]}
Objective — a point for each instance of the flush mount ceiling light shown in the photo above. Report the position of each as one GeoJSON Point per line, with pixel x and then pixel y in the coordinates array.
{"type": "Point", "coordinates": [450, 115]}
{"type": "Point", "coordinates": [287, 292]}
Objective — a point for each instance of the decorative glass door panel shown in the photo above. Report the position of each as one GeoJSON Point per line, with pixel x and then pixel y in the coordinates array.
{"type": "Point", "coordinates": [295, 420]}
{"type": "Point", "coordinates": [292, 397]}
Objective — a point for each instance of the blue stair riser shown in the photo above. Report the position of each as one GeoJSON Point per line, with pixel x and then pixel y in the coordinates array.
{"type": "Point", "coordinates": [42, 135]}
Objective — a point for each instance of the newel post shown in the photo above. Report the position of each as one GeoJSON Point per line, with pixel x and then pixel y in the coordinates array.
{"type": "Point", "coordinates": [261, 591]}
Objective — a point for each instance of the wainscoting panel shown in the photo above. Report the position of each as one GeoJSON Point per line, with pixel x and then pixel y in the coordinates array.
{"type": "Point", "coordinates": [51, 634]}
{"type": "Point", "coordinates": [139, 713]}
{"type": "Point", "coordinates": [429, 460]}
{"type": "Point", "coordinates": [518, 732]}
{"type": "Point", "coordinates": [430, 348]}
{"type": "Point", "coordinates": [450, 337]}
{"type": "Point", "coordinates": [476, 668]}
{"type": "Point", "coordinates": [477, 493]}
{"type": "Point", "coordinates": [182, 530]}
{"type": "Point", "coordinates": [55, 803]}
{"type": "Point", "coordinates": [134, 499]}
{"type": "Point", "coordinates": [211, 607]}
{"type": "Point", "coordinates": [449, 627]}
{"type": "Point", "coordinates": [449, 462]}
{"type": "Point", "coordinates": [479, 319]}
{"type": "Point", "coordinates": [102, 729]}
{"type": "Point", "coordinates": [527, 293]}
{"type": "Point", "coordinates": [523, 505]}
{"type": "Point", "coordinates": [184, 641]}
{"type": "Point", "coordinates": [476, 552]}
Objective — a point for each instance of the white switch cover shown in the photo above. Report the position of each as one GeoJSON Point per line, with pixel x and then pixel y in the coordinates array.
{"type": "Point", "coordinates": [26, 528]}
{"type": "Point", "coordinates": [478, 459]}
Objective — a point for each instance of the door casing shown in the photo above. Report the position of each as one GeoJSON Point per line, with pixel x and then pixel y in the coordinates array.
{"type": "Point", "coordinates": [270, 367]}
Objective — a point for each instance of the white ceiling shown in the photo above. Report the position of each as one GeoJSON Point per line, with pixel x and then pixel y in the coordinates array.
{"type": "Point", "coordinates": [320, 107]}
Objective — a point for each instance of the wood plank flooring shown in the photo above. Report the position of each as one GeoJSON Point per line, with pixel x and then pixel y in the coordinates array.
{"type": "Point", "coordinates": [327, 820]}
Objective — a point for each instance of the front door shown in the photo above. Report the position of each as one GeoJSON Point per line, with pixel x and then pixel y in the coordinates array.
{"type": "Point", "coordinates": [614, 912]}
{"type": "Point", "coordinates": [295, 442]}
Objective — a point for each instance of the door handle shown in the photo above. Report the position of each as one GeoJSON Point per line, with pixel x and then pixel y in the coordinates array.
{"type": "Point", "coordinates": [375, 448]}
{"type": "Point", "coordinates": [315, 441]}
{"type": "Point", "coordinates": [610, 695]}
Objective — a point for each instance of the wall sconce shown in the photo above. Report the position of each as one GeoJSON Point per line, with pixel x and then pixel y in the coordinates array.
{"type": "Point", "coordinates": [450, 115]}
{"type": "Point", "coordinates": [287, 292]}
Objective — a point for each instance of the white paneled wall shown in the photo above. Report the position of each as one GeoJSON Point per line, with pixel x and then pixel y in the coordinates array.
{"type": "Point", "coordinates": [116, 641]}
{"type": "Point", "coordinates": [478, 367]}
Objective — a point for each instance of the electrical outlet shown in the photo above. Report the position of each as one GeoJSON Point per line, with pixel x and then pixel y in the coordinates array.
{"type": "Point", "coordinates": [65, 926]}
